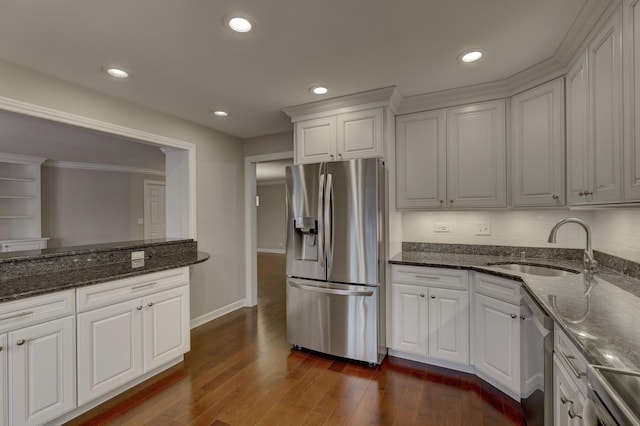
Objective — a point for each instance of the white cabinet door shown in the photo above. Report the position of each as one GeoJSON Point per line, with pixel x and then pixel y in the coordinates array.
{"type": "Point", "coordinates": [421, 160]}
{"type": "Point", "coordinates": [631, 56]}
{"type": "Point", "coordinates": [110, 352]}
{"type": "Point", "coordinates": [564, 392]}
{"type": "Point", "coordinates": [605, 110]}
{"type": "Point", "coordinates": [4, 381]}
{"type": "Point", "coordinates": [476, 155]}
{"type": "Point", "coordinates": [315, 140]}
{"type": "Point", "coordinates": [42, 372]}
{"type": "Point", "coordinates": [166, 327]}
{"type": "Point", "coordinates": [449, 325]}
{"type": "Point", "coordinates": [360, 134]}
{"type": "Point", "coordinates": [537, 138]}
{"type": "Point", "coordinates": [497, 341]}
{"type": "Point", "coordinates": [410, 319]}
{"type": "Point", "coordinates": [577, 132]}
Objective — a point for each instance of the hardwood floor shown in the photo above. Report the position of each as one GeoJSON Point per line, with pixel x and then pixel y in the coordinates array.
{"type": "Point", "coordinates": [241, 371]}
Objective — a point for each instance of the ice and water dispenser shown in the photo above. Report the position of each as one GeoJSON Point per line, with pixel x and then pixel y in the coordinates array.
{"type": "Point", "coordinates": [305, 238]}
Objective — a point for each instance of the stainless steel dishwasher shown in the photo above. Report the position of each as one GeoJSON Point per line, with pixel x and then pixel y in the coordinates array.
{"type": "Point", "coordinates": [536, 351]}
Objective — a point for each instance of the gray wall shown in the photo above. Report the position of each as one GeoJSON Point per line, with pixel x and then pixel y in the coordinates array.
{"type": "Point", "coordinates": [260, 145]}
{"type": "Point", "coordinates": [219, 166]}
{"type": "Point", "coordinates": [270, 217]}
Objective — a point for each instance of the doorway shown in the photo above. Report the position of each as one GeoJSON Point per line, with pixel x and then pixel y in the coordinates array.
{"type": "Point", "coordinates": [155, 223]}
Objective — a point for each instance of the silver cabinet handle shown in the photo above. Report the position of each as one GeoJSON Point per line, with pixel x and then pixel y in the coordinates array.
{"type": "Point", "coordinates": [451, 201]}
{"type": "Point", "coordinates": [522, 317]}
{"type": "Point", "coordinates": [139, 307]}
{"type": "Point", "coordinates": [340, 155]}
{"type": "Point", "coordinates": [573, 414]}
{"type": "Point", "coordinates": [150, 304]}
{"type": "Point", "coordinates": [331, 155]}
{"type": "Point", "coordinates": [441, 201]}
{"type": "Point", "coordinates": [331, 290]}
{"type": "Point", "coordinates": [573, 368]}
{"type": "Point", "coordinates": [433, 297]}
{"type": "Point", "coordinates": [514, 316]}
{"type": "Point", "coordinates": [581, 193]}
{"type": "Point", "coordinates": [136, 287]}
{"type": "Point", "coordinates": [588, 193]}
{"type": "Point", "coordinates": [21, 314]}
{"type": "Point", "coordinates": [429, 277]}
{"type": "Point", "coordinates": [564, 400]}
{"type": "Point", "coordinates": [20, 342]}
{"type": "Point", "coordinates": [555, 197]}
{"type": "Point", "coordinates": [421, 294]}
{"type": "Point", "coordinates": [1, 348]}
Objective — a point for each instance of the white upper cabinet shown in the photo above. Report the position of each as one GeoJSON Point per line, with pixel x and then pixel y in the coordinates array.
{"type": "Point", "coordinates": [537, 146]}
{"type": "Point", "coordinates": [360, 134]}
{"type": "Point", "coordinates": [476, 155]}
{"type": "Point", "coordinates": [421, 144]}
{"type": "Point", "coordinates": [594, 133]}
{"type": "Point", "coordinates": [315, 140]}
{"type": "Point", "coordinates": [344, 136]}
{"type": "Point", "coordinates": [631, 73]}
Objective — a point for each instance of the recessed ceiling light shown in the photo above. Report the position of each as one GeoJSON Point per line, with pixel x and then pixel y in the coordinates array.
{"type": "Point", "coordinates": [220, 113]}
{"type": "Point", "coordinates": [240, 24]}
{"type": "Point", "coordinates": [319, 90]}
{"type": "Point", "coordinates": [471, 56]}
{"type": "Point", "coordinates": [116, 72]}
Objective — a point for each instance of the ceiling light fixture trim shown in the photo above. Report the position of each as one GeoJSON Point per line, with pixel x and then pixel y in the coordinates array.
{"type": "Point", "coordinates": [220, 113]}
{"type": "Point", "coordinates": [116, 72]}
{"type": "Point", "coordinates": [238, 23]}
{"type": "Point", "coordinates": [471, 56]}
{"type": "Point", "coordinates": [319, 90]}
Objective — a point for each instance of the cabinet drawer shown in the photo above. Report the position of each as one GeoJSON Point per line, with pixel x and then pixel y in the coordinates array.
{"type": "Point", "coordinates": [571, 357]}
{"type": "Point", "coordinates": [36, 309]}
{"type": "Point", "coordinates": [99, 295]}
{"type": "Point", "coordinates": [432, 277]}
{"type": "Point", "coordinates": [498, 288]}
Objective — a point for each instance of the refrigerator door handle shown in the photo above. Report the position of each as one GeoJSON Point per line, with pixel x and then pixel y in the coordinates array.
{"type": "Point", "coordinates": [328, 220]}
{"type": "Point", "coordinates": [321, 248]}
{"type": "Point", "coordinates": [331, 290]}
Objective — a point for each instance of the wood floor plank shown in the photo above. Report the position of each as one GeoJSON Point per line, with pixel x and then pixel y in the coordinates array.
{"type": "Point", "coordinates": [241, 371]}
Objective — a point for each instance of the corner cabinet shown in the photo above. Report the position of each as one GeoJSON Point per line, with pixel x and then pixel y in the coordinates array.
{"type": "Point", "coordinates": [595, 133]}
{"type": "Point", "coordinates": [358, 134]}
{"type": "Point", "coordinates": [538, 146]}
{"type": "Point", "coordinates": [430, 313]}
{"type": "Point", "coordinates": [631, 41]}
{"type": "Point", "coordinates": [453, 158]}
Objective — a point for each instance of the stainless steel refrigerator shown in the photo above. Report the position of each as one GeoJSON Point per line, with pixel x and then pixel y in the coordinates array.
{"type": "Point", "coordinates": [335, 258]}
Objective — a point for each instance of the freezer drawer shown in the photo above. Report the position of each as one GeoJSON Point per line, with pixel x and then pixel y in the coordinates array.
{"type": "Point", "coordinates": [336, 319]}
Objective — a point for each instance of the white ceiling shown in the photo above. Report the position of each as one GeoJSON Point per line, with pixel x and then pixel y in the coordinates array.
{"type": "Point", "coordinates": [272, 171]}
{"type": "Point", "coordinates": [184, 62]}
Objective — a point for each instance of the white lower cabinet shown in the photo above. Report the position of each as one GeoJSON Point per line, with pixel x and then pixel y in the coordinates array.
{"type": "Point", "coordinates": [4, 381]}
{"type": "Point", "coordinates": [496, 341]}
{"type": "Point", "coordinates": [567, 400]}
{"type": "Point", "coordinates": [120, 342]}
{"type": "Point", "coordinates": [431, 321]}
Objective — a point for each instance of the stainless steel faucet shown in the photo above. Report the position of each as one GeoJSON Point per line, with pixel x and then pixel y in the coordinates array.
{"type": "Point", "coordinates": [589, 261]}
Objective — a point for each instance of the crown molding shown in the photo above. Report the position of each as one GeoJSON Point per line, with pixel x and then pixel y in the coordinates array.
{"type": "Point", "coordinates": [384, 97]}
{"type": "Point", "coordinates": [20, 159]}
{"type": "Point", "coordinates": [102, 167]}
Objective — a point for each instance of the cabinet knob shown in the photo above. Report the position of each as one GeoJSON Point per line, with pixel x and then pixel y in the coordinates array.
{"type": "Point", "coordinates": [451, 201]}
{"type": "Point", "coordinates": [588, 193]}
{"type": "Point", "coordinates": [139, 307]}
{"type": "Point", "coordinates": [331, 155]}
{"type": "Point", "coordinates": [522, 317]}
{"type": "Point", "coordinates": [1, 348]}
{"type": "Point", "coordinates": [340, 155]}
{"type": "Point", "coordinates": [441, 201]}
{"type": "Point", "coordinates": [555, 197]}
{"type": "Point", "coordinates": [514, 316]}
{"type": "Point", "coordinates": [421, 294]}
{"type": "Point", "coordinates": [564, 400]}
{"type": "Point", "coordinates": [20, 342]}
{"type": "Point", "coordinates": [150, 304]}
{"type": "Point", "coordinates": [433, 297]}
{"type": "Point", "coordinates": [581, 193]}
{"type": "Point", "coordinates": [573, 414]}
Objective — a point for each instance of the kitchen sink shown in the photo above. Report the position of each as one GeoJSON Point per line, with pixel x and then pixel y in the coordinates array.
{"type": "Point", "coordinates": [542, 270]}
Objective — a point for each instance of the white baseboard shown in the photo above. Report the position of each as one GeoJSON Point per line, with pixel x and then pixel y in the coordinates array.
{"type": "Point", "coordinates": [265, 250]}
{"type": "Point", "coordinates": [210, 316]}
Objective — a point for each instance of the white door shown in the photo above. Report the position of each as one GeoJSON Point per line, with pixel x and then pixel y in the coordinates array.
{"type": "Point", "coordinates": [410, 319]}
{"type": "Point", "coordinates": [166, 326]}
{"type": "Point", "coordinates": [315, 140]}
{"type": "Point", "coordinates": [631, 59]}
{"type": "Point", "coordinates": [537, 142]}
{"type": "Point", "coordinates": [4, 381]}
{"type": "Point", "coordinates": [476, 155]}
{"type": "Point", "coordinates": [42, 369]}
{"type": "Point", "coordinates": [449, 325]}
{"type": "Point", "coordinates": [360, 134]}
{"type": "Point", "coordinates": [110, 352]}
{"type": "Point", "coordinates": [605, 104]}
{"type": "Point", "coordinates": [497, 341]}
{"type": "Point", "coordinates": [421, 160]}
{"type": "Point", "coordinates": [155, 207]}
{"type": "Point", "coordinates": [577, 131]}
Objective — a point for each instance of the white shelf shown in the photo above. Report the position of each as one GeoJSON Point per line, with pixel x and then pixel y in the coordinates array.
{"type": "Point", "coordinates": [18, 197]}
{"type": "Point", "coordinates": [18, 179]}
{"type": "Point", "coordinates": [17, 217]}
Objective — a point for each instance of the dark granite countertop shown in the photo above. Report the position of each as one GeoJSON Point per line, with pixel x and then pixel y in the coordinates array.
{"type": "Point", "coordinates": [33, 285]}
{"type": "Point", "coordinates": [603, 319]}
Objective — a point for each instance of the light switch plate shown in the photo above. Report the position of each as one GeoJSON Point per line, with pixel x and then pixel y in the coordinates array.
{"type": "Point", "coordinates": [483, 228]}
{"type": "Point", "coordinates": [137, 255]}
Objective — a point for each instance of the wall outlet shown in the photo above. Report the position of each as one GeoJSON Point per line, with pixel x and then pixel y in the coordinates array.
{"type": "Point", "coordinates": [140, 221]}
{"type": "Point", "coordinates": [483, 228]}
{"type": "Point", "coordinates": [441, 227]}
{"type": "Point", "coordinates": [137, 255]}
